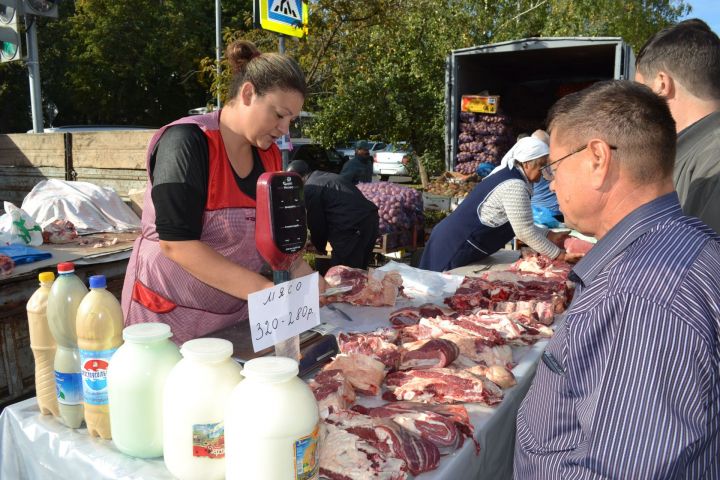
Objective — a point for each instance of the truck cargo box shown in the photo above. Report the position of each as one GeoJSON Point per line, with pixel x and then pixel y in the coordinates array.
{"type": "Point", "coordinates": [529, 75]}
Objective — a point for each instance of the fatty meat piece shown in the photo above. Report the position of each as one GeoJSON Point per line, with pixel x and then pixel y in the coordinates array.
{"type": "Point", "coordinates": [441, 385]}
{"type": "Point", "coordinates": [344, 456]}
{"type": "Point", "coordinates": [500, 375]}
{"type": "Point", "coordinates": [433, 353]}
{"type": "Point", "coordinates": [371, 345]}
{"type": "Point", "coordinates": [364, 373]}
{"type": "Point", "coordinates": [576, 245]}
{"type": "Point", "coordinates": [332, 391]}
{"type": "Point", "coordinates": [59, 231]}
{"type": "Point", "coordinates": [373, 288]}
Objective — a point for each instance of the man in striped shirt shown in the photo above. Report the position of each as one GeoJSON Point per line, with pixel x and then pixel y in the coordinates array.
{"type": "Point", "coordinates": [629, 386]}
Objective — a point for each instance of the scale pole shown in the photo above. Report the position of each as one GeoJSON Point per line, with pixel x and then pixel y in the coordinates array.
{"type": "Point", "coordinates": [291, 347]}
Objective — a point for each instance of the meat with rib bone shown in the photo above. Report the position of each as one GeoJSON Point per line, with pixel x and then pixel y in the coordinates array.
{"type": "Point", "coordinates": [372, 345]}
{"type": "Point", "coordinates": [441, 385]}
{"type": "Point", "coordinates": [390, 439]}
{"type": "Point", "coordinates": [344, 456]}
{"type": "Point", "coordinates": [374, 287]}
{"type": "Point", "coordinates": [332, 391]}
{"type": "Point", "coordinates": [429, 425]}
{"type": "Point", "coordinates": [433, 353]}
{"type": "Point", "coordinates": [364, 373]}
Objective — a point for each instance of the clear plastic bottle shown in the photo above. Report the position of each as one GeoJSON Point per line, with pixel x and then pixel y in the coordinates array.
{"type": "Point", "coordinates": [272, 424]}
{"type": "Point", "coordinates": [136, 380]}
{"type": "Point", "coordinates": [65, 296]}
{"type": "Point", "coordinates": [194, 401]}
{"type": "Point", "coordinates": [43, 346]}
{"type": "Point", "coordinates": [99, 331]}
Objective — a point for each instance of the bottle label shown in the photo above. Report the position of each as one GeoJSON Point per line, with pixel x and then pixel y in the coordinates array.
{"type": "Point", "coordinates": [209, 440]}
{"type": "Point", "coordinates": [94, 375]}
{"type": "Point", "coordinates": [307, 461]}
{"type": "Point", "coordinates": [68, 387]}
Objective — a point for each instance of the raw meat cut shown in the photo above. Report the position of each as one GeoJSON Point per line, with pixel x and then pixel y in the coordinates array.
{"type": "Point", "coordinates": [500, 375]}
{"type": "Point", "coordinates": [576, 245]}
{"type": "Point", "coordinates": [364, 373]}
{"type": "Point", "coordinates": [465, 327]}
{"type": "Point", "coordinates": [7, 265]}
{"type": "Point", "coordinates": [390, 439]}
{"type": "Point", "coordinates": [431, 426]}
{"type": "Point", "coordinates": [59, 231]}
{"type": "Point", "coordinates": [433, 353]}
{"type": "Point", "coordinates": [374, 288]}
{"type": "Point", "coordinates": [344, 456]}
{"type": "Point", "coordinates": [373, 345]}
{"type": "Point", "coordinates": [441, 385]}
{"type": "Point", "coordinates": [412, 315]}
{"type": "Point", "coordinates": [332, 391]}
{"type": "Point", "coordinates": [480, 350]}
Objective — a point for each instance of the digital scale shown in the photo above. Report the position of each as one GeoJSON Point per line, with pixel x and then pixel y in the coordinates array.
{"type": "Point", "coordinates": [280, 237]}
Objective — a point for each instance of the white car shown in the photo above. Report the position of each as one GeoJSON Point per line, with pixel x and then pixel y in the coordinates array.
{"type": "Point", "coordinates": [348, 149]}
{"type": "Point", "coordinates": [392, 160]}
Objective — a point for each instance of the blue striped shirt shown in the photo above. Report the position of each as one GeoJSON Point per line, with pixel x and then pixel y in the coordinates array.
{"type": "Point", "coordinates": [629, 386]}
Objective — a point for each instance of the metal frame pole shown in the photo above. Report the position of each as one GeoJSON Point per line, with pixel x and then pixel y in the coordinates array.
{"type": "Point", "coordinates": [33, 64]}
{"type": "Point", "coordinates": [218, 46]}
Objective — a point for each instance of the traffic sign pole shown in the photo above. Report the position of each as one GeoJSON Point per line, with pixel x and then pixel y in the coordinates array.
{"type": "Point", "coordinates": [285, 153]}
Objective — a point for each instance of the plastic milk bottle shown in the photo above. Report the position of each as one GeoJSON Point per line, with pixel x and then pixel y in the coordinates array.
{"type": "Point", "coordinates": [43, 347]}
{"type": "Point", "coordinates": [196, 392]}
{"type": "Point", "coordinates": [65, 296]}
{"type": "Point", "coordinates": [136, 380]}
{"type": "Point", "coordinates": [99, 331]}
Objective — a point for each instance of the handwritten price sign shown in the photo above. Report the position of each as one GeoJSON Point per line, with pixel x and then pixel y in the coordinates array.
{"type": "Point", "coordinates": [283, 311]}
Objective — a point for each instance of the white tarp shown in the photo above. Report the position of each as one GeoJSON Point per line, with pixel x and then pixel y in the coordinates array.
{"type": "Point", "coordinates": [91, 208]}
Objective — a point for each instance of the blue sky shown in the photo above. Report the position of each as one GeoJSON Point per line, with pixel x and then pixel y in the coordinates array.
{"type": "Point", "coordinates": [708, 11]}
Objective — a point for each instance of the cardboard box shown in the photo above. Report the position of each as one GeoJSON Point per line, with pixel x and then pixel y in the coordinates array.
{"type": "Point", "coordinates": [454, 202]}
{"type": "Point", "coordinates": [436, 202]}
{"type": "Point", "coordinates": [480, 103]}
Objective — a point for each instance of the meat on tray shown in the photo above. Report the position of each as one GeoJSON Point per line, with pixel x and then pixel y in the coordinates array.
{"type": "Point", "coordinates": [441, 385]}
{"type": "Point", "coordinates": [433, 427]}
{"type": "Point", "coordinates": [373, 345]}
{"type": "Point", "coordinates": [390, 439]}
{"type": "Point", "coordinates": [433, 353]}
{"type": "Point", "coordinates": [332, 391]}
{"type": "Point", "coordinates": [344, 456]}
{"type": "Point", "coordinates": [374, 287]}
{"type": "Point", "coordinates": [364, 373]}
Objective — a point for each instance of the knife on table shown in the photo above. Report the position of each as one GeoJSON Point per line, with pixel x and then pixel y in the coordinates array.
{"type": "Point", "coordinates": [342, 314]}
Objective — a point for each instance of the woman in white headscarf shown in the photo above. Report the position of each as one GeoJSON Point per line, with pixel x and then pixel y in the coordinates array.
{"type": "Point", "coordinates": [497, 210]}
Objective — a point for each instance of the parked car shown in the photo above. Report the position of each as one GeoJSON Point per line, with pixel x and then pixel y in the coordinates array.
{"type": "Point", "coordinates": [318, 157]}
{"type": "Point", "coordinates": [392, 160]}
{"type": "Point", "coordinates": [348, 149]}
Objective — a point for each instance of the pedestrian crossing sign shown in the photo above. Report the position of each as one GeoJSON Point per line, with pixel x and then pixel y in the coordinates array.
{"type": "Point", "coordinates": [289, 17]}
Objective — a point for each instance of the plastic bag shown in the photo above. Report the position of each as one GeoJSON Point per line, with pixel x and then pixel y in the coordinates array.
{"type": "Point", "coordinates": [17, 227]}
{"type": "Point", "coordinates": [544, 216]}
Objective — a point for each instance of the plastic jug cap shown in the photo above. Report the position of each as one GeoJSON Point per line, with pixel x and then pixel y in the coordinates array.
{"type": "Point", "coordinates": [270, 369]}
{"type": "Point", "coordinates": [46, 277]}
{"type": "Point", "coordinates": [146, 332]}
{"type": "Point", "coordinates": [207, 349]}
{"type": "Point", "coordinates": [98, 281]}
{"type": "Point", "coordinates": [66, 267]}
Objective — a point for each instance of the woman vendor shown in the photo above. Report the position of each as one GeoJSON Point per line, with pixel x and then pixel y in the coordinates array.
{"type": "Point", "coordinates": [496, 210]}
{"type": "Point", "coordinates": [195, 262]}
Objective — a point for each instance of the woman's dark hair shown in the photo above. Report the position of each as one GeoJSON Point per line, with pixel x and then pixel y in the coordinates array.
{"type": "Point", "coordinates": [266, 71]}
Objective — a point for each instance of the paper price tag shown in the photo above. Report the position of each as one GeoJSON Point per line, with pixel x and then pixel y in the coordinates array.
{"type": "Point", "coordinates": [283, 311]}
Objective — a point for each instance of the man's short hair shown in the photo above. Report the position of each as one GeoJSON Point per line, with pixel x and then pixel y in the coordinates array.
{"type": "Point", "coordinates": [626, 115]}
{"type": "Point", "coordinates": [689, 52]}
{"type": "Point", "coordinates": [300, 167]}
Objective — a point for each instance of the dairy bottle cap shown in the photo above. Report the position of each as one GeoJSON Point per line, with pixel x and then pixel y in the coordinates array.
{"type": "Point", "coordinates": [66, 267]}
{"type": "Point", "coordinates": [270, 369]}
{"type": "Point", "coordinates": [146, 332]}
{"type": "Point", "coordinates": [46, 277]}
{"type": "Point", "coordinates": [207, 349]}
{"type": "Point", "coordinates": [98, 281]}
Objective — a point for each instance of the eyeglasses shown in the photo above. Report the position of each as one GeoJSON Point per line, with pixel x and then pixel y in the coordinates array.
{"type": "Point", "coordinates": [549, 174]}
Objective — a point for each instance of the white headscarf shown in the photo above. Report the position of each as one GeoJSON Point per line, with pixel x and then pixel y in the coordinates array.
{"type": "Point", "coordinates": [526, 149]}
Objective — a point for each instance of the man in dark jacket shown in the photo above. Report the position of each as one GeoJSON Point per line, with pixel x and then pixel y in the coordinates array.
{"type": "Point", "coordinates": [337, 212]}
{"type": "Point", "coordinates": [360, 167]}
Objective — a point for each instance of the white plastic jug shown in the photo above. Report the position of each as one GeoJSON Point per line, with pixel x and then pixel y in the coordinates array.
{"type": "Point", "coordinates": [271, 424]}
{"type": "Point", "coordinates": [194, 401]}
{"type": "Point", "coordinates": [136, 380]}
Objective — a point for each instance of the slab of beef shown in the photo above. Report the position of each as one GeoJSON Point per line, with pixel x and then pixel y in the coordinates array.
{"type": "Point", "coordinates": [433, 353]}
{"type": "Point", "coordinates": [332, 391]}
{"type": "Point", "coordinates": [441, 385]}
{"type": "Point", "coordinates": [390, 439]}
{"type": "Point", "coordinates": [412, 315]}
{"type": "Point", "coordinates": [374, 288]}
{"type": "Point", "coordinates": [532, 262]}
{"type": "Point", "coordinates": [576, 245]}
{"type": "Point", "coordinates": [465, 327]}
{"type": "Point", "coordinates": [481, 351]}
{"type": "Point", "coordinates": [413, 333]}
{"type": "Point", "coordinates": [373, 345]}
{"type": "Point", "coordinates": [431, 426]}
{"type": "Point", "coordinates": [500, 375]}
{"type": "Point", "coordinates": [59, 231]}
{"type": "Point", "coordinates": [364, 373]}
{"type": "Point", "coordinates": [344, 456]}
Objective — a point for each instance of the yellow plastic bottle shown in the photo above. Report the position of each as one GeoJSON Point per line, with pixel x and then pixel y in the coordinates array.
{"type": "Point", "coordinates": [99, 334]}
{"type": "Point", "coordinates": [43, 346]}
